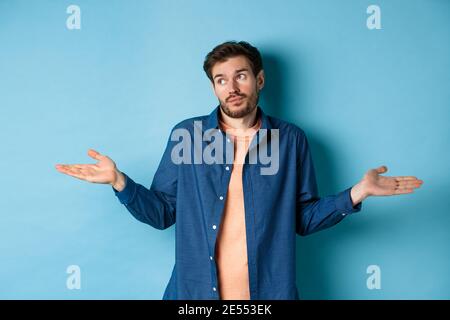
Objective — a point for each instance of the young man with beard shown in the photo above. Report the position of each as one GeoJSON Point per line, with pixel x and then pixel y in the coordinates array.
{"type": "Point", "coordinates": [235, 225]}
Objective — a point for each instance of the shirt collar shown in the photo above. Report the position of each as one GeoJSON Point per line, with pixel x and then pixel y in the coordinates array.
{"type": "Point", "coordinates": [212, 121]}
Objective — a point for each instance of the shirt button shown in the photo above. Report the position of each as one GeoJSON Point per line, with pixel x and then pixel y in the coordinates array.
{"type": "Point", "coordinates": [214, 289]}
{"type": "Point", "coordinates": [343, 214]}
{"type": "Point", "coordinates": [214, 226]}
{"type": "Point", "coordinates": [228, 140]}
{"type": "Point", "coordinates": [210, 257]}
{"type": "Point", "coordinates": [221, 198]}
{"type": "Point", "coordinates": [227, 168]}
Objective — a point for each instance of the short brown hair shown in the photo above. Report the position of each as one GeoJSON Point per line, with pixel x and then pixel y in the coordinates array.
{"type": "Point", "coordinates": [231, 49]}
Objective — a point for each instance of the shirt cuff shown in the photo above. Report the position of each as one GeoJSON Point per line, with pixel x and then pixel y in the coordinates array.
{"type": "Point", "coordinates": [344, 204]}
{"type": "Point", "coordinates": [126, 195]}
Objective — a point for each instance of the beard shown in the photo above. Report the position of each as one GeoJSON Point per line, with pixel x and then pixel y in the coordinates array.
{"type": "Point", "coordinates": [242, 110]}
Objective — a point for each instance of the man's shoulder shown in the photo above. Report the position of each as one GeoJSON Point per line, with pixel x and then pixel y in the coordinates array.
{"type": "Point", "coordinates": [285, 127]}
{"type": "Point", "coordinates": [189, 122]}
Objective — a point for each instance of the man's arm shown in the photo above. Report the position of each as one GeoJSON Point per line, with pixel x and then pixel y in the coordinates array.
{"type": "Point", "coordinates": [151, 206]}
{"type": "Point", "coordinates": [154, 206]}
{"type": "Point", "coordinates": [315, 213]}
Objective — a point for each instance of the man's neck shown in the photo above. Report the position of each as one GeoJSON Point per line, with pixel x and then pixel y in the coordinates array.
{"type": "Point", "coordinates": [240, 123]}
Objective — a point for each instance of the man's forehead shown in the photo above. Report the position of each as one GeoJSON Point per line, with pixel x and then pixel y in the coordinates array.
{"type": "Point", "coordinates": [231, 65]}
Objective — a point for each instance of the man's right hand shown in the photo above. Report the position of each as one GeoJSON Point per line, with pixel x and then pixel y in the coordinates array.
{"type": "Point", "coordinates": [104, 171]}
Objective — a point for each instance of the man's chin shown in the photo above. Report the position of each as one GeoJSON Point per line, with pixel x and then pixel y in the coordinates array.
{"type": "Point", "coordinates": [240, 106]}
{"type": "Point", "coordinates": [237, 111]}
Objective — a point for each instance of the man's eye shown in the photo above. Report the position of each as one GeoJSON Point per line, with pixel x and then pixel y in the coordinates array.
{"type": "Point", "coordinates": [221, 81]}
{"type": "Point", "coordinates": [241, 76]}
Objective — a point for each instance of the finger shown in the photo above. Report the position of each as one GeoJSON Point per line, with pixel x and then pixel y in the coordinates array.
{"type": "Point", "coordinates": [381, 169]}
{"type": "Point", "coordinates": [409, 184]}
{"type": "Point", "coordinates": [73, 169]}
{"type": "Point", "coordinates": [406, 188]}
{"type": "Point", "coordinates": [406, 178]}
{"type": "Point", "coordinates": [94, 154]}
{"type": "Point", "coordinates": [62, 167]}
{"type": "Point", "coordinates": [76, 175]}
{"type": "Point", "coordinates": [66, 167]}
{"type": "Point", "coordinates": [83, 166]}
{"type": "Point", "coordinates": [69, 170]}
{"type": "Point", "coordinates": [403, 191]}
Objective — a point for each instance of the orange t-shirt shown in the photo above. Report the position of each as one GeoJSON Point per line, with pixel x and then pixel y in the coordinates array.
{"type": "Point", "coordinates": [231, 245]}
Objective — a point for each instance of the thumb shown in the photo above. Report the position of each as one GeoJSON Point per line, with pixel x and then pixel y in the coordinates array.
{"type": "Point", "coordinates": [94, 154]}
{"type": "Point", "coordinates": [381, 169]}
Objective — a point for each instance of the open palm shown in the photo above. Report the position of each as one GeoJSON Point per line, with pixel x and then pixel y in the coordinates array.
{"type": "Point", "coordinates": [377, 185]}
{"type": "Point", "coordinates": [104, 171]}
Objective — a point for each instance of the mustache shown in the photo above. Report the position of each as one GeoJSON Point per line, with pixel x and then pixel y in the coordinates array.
{"type": "Point", "coordinates": [236, 95]}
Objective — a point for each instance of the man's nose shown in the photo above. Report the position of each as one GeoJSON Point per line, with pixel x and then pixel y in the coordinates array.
{"type": "Point", "coordinates": [234, 87]}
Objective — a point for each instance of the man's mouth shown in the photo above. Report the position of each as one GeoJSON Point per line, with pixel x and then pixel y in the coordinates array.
{"type": "Point", "coordinates": [236, 99]}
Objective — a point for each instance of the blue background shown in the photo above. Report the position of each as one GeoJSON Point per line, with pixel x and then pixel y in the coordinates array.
{"type": "Point", "coordinates": [118, 85]}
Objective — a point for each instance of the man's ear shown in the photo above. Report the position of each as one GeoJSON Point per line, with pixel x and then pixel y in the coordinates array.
{"type": "Point", "coordinates": [260, 79]}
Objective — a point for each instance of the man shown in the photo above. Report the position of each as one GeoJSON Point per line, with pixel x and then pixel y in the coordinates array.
{"type": "Point", "coordinates": [236, 224]}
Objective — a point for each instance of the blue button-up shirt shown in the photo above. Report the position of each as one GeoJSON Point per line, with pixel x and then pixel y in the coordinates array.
{"type": "Point", "coordinates": [277, 207]}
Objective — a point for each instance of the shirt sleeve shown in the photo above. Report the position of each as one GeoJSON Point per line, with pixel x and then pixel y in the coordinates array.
{"type": "Point", "coordinates": [156, 205]}
{"type": "Point", "coordinates": [313, 212]}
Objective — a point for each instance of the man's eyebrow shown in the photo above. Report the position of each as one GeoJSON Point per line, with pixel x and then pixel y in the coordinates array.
{"type": "Point", "coordinates": [240, 70]}
{"type": "Point", "coordinates": [237, 71]}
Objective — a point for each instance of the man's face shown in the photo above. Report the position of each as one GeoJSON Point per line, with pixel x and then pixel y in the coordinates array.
{"type": "Point", "coordinates": [236, 86]}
